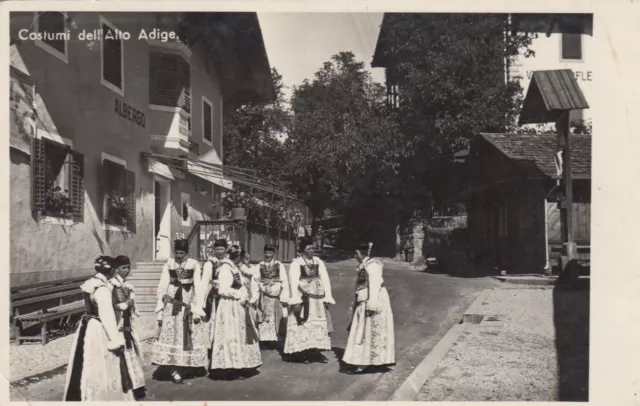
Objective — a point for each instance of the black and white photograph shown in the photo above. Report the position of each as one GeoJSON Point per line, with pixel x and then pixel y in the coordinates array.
{"type": "Point", "coordinates": [301, 206]}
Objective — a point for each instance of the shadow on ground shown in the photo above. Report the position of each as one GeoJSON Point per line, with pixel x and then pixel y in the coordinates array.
{"type": "Point", "coordinates": [571, 319]}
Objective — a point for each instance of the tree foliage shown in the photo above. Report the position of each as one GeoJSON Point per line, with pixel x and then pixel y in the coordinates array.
{"type": "Point", "coordinates": [450, 69]}
{"type": "Point", "coordinates": [342, 139]}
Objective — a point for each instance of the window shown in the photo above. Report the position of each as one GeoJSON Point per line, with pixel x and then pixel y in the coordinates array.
{"type": "Point", "coordinates": [169, 81]}
{"type": "Point", "coordinates": [53, 36]}
{"type": "Point", "coordinates": [118, 194]}
{"type": "Point", "coordinates": [207, 121]}
{"type": "Point", "coordinates": [111, 48]}
{"type": "Point", "coordinates": [571, 46]}
{"type": "Point", "coordinates": [57, 173]}
{"type": "Point", "coordinates": [186, 200]}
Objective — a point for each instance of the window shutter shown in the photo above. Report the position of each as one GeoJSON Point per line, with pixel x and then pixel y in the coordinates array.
{"type": "Point", "coordinates": [164, 74]}
{"type": "Point", "coordinates": [185, 84]}
{"type": "Point", "coordinates": [77, 186]}
{"type": "Point", "coordinates": [130, 196]}
{"type": "Point", "coordinates": [38, 176]}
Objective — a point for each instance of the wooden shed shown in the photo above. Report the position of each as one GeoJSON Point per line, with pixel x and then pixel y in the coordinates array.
{"type": "Point", "coordinates": [512, 199]}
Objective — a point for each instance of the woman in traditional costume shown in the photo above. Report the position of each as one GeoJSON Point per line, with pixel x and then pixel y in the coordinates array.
{"type": "Point", "coordinates": [126, 314]}
{"type": "Point", "coordinates": [96, 370]}
{"type": "Point", "coordinates": [371, 341]}
{"type": "Point", "coordinates": [236, 349]}
{"type": "Point", "coordinates": [273, 280]}
{"type": "Point", "coordinates": [182, 341]}
{"type": "Point", "coordinates": [210, 284]}
{"type": "Point", "coordinates": [308, 329]}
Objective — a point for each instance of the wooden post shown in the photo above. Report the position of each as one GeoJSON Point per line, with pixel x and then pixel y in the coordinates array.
{"type": "Point", "coordinates": [566, 208]}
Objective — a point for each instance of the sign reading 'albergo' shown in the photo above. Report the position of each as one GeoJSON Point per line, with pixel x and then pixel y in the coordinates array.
{"type": "Point", "coordinates": [130, 113]}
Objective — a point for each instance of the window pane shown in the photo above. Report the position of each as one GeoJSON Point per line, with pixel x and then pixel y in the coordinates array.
{"type": "Point", "coordinates": [571, 46]}
{"type": "Point", "coordinates": [185, 210]}
{"type": "Point", "coordinates": [52, 24]}
{"type": "Point", "coordinates": [111, 56]}
{"type": "Point", "coordinates": [57, 178]}
{"type": "Point", "coordinates": [208, 124]}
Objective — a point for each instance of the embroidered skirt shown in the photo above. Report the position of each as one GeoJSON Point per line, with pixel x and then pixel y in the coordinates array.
{"type": "Point", "coordinates": [94, 372]}
{"type": "Point", "coordinates": [371, 338]}
{"type": "Point", "coordinates": [236, 341]}
{"type": "Point", "coordinates": [169, 348]}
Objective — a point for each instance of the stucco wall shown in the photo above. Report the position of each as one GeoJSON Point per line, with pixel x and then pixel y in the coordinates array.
{"type": "Point", "coordinates": [548, 56]}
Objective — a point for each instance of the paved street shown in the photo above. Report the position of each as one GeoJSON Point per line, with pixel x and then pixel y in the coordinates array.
{"type": "Point", "coordinates": [425, 306]}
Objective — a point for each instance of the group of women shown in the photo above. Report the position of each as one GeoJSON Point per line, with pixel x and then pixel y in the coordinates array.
{"type": "Point", "coordinates": [219, 317]}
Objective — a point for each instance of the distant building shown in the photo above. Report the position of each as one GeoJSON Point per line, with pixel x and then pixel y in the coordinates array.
{"type": "Point", "coordinates": [85, 109]}
{"type": "Point", "coordinates": [565, 41]}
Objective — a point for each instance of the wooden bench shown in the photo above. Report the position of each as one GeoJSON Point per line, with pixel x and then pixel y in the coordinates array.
{"type": "Point", "coordinates": [48, 299]}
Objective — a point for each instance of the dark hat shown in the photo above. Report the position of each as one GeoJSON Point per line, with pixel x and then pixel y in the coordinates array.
{"type": "Point", "coordinates": [270, 247]}
{"type": "Point", "coordinates": [304, 243]}
{"type": "Point", "coordinates": [103, 264]}
{"type": "Point", "coordinates": [221, 242]}
{"type": "Point", "coordinates": [121, 260]}
{"type": "Point", "coordinates": [181, 245]}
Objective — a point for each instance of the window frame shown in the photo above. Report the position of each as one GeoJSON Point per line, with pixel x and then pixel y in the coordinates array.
{"type": "Point", "coordinates": [571, 60]}
{"type": "Point", "coordinates": [103, 81]}
{"type": "Point", "coordinates": [202, 120]}
{"type": "Point", "coordinates": [63, 57]}
{"type": "Point", "coordinates": [57, 139]}
{"type": "Point", "coordinates": [105, 226]}
{"type": "Point", "coordinates": [185, 197]}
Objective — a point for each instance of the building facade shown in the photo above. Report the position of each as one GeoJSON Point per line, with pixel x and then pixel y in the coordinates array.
{"type": "Point", "coordinates": [563, 41]}
{"type": "Point", "coordinates": [91, 95]}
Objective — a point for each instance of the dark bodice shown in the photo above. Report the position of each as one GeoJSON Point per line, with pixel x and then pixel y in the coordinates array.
{"type": "Point", "coordinates": [237, 281]}
{"type": "Point", "coordinates": [309, 271]}
{"type": "Point", "coordinates": [362, 279]}
{"type": "Point", "coordinates": [181, 274]}
{"type": "Point", "coordinates": [120, 294]}
{"type": "Point", "coordinates": [270, 271]}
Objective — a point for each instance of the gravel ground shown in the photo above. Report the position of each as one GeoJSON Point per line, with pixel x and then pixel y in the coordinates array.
{"type": "Point", "coordinates": [31, 358]}
{"type": "Point", "coordinates": [514, 359]}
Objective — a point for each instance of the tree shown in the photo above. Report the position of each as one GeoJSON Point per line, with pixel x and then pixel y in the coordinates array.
{"type": "Point", "coordinates": [341, 138]}
{"type": "Point", "coordinates": [450, 69]}
{"type": "Point", "coordinates": [251, 140]}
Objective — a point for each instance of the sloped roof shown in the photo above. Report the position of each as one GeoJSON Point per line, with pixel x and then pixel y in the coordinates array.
{"type": "Point", "coordinates": [550, 93]}
{"type": "Point", "coordinates": [535, 152]}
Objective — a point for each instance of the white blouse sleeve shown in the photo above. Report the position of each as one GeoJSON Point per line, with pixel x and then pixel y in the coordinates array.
{"type": "Point", "coordinates": [294, 278]}
{"type": "Point", "coordinates": [255, 285]}
{"type": "Point", "coordinates": [163, 286]}
{"type": "Point", "coordinates": [225, 280]}
{"type": "Point", "coordinates": [104, 302]}
{"type": "Point", "coordinates": [207, 275]}
{"type": "Point", "coordinates": [197, 309]}
{"type": "Point", "coordinates": [374, 272]}
{"type": "Point", "coordinates": [326, 283]}
{"type": "Point", "coordinates": [284, 277]}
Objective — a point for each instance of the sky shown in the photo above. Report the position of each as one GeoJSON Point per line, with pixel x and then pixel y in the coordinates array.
{"type": "Point", "coordinates": [299, 43]}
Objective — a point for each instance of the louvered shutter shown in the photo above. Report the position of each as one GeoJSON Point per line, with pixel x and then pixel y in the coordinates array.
{"type": "Point", "coordinates": [38, 176]}
{"type": "Point", "coordinates": [77, 186]}
{"type": "Point", "coordinates": [164, 74]}
{"type": "Point", "coordinates": [130, 196]}
{"type": "Point", "coordinates": [185, 84]}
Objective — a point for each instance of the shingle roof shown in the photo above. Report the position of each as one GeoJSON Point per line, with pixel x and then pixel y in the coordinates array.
{"type": "Point", "coordinates": [550, 93]}
{"type": "Point", "coordinates": [535, 152]}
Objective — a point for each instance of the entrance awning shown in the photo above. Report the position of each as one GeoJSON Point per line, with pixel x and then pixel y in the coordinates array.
{"type": "Point", "coordinates": [160, 169]}
{"type": "Point", "coordinates": [204, 172]}
{"type": "Point", "coordinates": [222, 175]}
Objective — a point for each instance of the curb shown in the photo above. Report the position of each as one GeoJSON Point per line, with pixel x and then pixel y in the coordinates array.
{"type": "Point", "coordinates": [24, 381]}
{"type": "Point", "coordinates": [539, 281]}
{"type": "Point", "coordinates": [414, 382]}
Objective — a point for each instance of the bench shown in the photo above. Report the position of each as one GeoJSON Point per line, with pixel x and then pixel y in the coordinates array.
{"type": "Point", "coordinates": [49, 300]}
